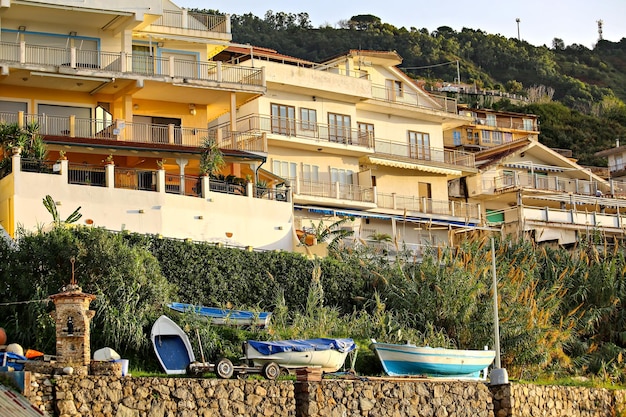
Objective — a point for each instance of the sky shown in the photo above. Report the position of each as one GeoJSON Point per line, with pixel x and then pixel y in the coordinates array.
{"type": "Point", "coordinates": [573, 21]}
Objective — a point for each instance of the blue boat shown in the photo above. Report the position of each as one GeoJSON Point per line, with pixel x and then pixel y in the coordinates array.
{"type": "Point", "coordinates": [225, 316]}
{"type": "Point", "coordinates": [172, 346]}
{"type": "Point", "coordinates": [411, 360]}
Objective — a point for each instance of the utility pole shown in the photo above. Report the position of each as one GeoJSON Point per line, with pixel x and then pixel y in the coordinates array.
{"type": "Point", "coordinates": [518, 36]}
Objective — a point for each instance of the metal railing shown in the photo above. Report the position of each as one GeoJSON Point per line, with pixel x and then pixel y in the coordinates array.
{"type": "Point", "coordinates": [71, 126]}
{"type": "Point", "coordinates": [305, 130]}
{"type": "Point", "coordinates": [546, 183]}
{"type": "Point", "coordinates": [334, 190]}
{"type": "Point", "coordinates": [411, 98]}
{"type": "Point", "coordinates": [82, 174]}
{"type": "Point", "coordinates": [506, 123]}
{"type": "Point", "coordinates": [37, 165]}
{"type": "Point", "coordinates": [195, 21]}
{"type": "Point", "coordinates": [135, 179]}
{"type": "Point", "coordinates": [122, 62]}
{"type": "Point", "coordinates": [424, 153]}
{"type": "Point", "coordinates": [415, 204]}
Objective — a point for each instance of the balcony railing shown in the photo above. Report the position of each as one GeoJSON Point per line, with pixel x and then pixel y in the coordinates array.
{"type": "Point", "coordinates": [74, 127]}
{"type": "Point", "coordinates": [196, 21]}
{"type": "Point", "coordinates": [147, 180]}
{"type": "Point", "coordinates": [414, 204]}
{"type": "Point", "coordinates": [582, 219]}
{"type": "Point", "coordinates": [82, 174]}
{"type": "Point", "coordinates": [414, 99]}
{"type": "Point", "coordinates": [545, 183]}
{"type": "Point", "coordinates": [305, 130]}
{"type": "Point", "coordinates": [333, 190]}
{"type": "Point", "coordinates": [412, 153]}
{"type": "Point", "coordinates": [126, 63]}
{"type": "Point", "coordinates": [504, 123]}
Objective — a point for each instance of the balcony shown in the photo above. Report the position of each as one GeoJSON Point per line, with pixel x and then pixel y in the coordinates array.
{"type": "Point", "coordinates": [413, 205]}
{"type": "Point", "coordinates": [544, 183]}
{"type": "Point", "coordinates": [155, 135]}
{"type": "Point", "coordinates": [413, 99]}
{"type": "Point", "coordinates": [112, 64]}
{"type": "Point", "coordinates": [351, 195]}
{"type": "Point", "coordinates": [311, 133]}
{"type": "Point", "coordinates": [574, 219]}
{"type": "Point", "coordinates": [424, 155]}
{"type": "Point", "coordinates": [147, 201]}
{"type": "Point", "coordinates": [182, 19]}
{"type": "Point", "coordinates": [507, 123]}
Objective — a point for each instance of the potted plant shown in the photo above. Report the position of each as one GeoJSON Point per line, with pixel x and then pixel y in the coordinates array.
{"type": "Point", "coordinates": [109, 160]}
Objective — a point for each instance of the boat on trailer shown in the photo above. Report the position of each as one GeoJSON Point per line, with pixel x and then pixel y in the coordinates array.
{"type": "Point", "coordinates": [327, 354]}
{"type": "Point", "coordinates": [223, 316]}
{"type": "Point", "coordinates": [172, 346]}
{"type": "Point", "coordinates": [411, 360]}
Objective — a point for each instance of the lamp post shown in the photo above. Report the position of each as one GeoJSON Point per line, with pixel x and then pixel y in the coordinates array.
{"type": "Point", "coordinates": [499, 375]}
{"type": "Point", "coordinates": [518, 36]}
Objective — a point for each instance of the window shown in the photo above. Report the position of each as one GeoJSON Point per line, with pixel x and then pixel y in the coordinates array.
{"type": "Point", "coordinates": [496, 137]}
{"type": "Point", "coordinates": [61, 126]}
{"type": "Point", "coordinates": [619, 163]}
{"type": "Point", "coordinates": [340, 175]}
{"type": "Point", "coordinates": [419, 145]}
{"type": "Point", "coordinates": [310, 173]}
{"type": "Point", "coordinates": [285, 169]}
{"type": "Point", "coordinates": [283, 119]}
{"type": "Point", "coordinates": [456, 138]}
{"type": "Point", "coordinates": [143, 59]}
{"type": "Point", "coordinates": [366, 133]}
{"type": "Point", "coordinates": [339, 128]}
{"type": "Point", "coordinates": [486, 136]}
{"type": "Point", "coordinates": [528, 124]}
{"type": "Point", "coordinates": [394, 89]}
{"type": "Point", "coordinates": [491, 120]}
{"type": "Point", "coordinates": [308, 119]}
{"type": "Point", "coordinates": [508, 137]}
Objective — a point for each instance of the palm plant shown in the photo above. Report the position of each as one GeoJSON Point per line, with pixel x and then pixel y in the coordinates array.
{"type": "Point", "coordinates": [211, 158]}
{"type": "Point", "coordinates": [332, 234]}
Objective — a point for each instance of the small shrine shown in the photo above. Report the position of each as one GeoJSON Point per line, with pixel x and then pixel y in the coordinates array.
{"type": "Point", "coordinates": [72, 318]}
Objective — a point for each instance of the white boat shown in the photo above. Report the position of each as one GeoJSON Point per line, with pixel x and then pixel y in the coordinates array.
{"type": "Point", "coordinates": [408, 359]}
{"type": "Point", "coordinates": [171, 346]}
{"type": "Point", "coordinates": [327, 354]}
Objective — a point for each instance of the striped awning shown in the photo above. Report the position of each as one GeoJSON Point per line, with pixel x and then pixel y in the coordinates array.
{"type": "Point", "coordinates": [415, 166]}
{"type": "Point", "coordinates": [535, 167]}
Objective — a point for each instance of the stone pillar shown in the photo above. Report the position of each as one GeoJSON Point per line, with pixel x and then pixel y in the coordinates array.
{"type": "Point", "coordinates": [72, 317]}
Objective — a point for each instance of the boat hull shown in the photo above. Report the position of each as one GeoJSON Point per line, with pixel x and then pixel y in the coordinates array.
{"type": "Point", "coordinates": [329, 360]}
{"type": "Point", "coordinates": [403, 360]}
{"type": "Point", "coordinates": [222, 316]}
{"type": "Point", "coordinates": [171, 346]}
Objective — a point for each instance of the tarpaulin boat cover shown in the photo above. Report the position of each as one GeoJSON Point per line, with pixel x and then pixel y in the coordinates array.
{"type": "Point", "coordinates": [10, 358]}
{"type": "Point", "coordinates": [270, 347]}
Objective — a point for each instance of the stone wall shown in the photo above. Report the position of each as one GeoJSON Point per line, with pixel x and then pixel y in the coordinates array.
{"type": "Point", "coordinates": [100, 396]}
{"type": "Point", "coordinates": [393, 398]}
{"type": "Point", "coordinates": [525, 400]}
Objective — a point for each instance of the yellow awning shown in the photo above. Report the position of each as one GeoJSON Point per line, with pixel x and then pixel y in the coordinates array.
{"type": "Point", "coordinates": [415, 166]}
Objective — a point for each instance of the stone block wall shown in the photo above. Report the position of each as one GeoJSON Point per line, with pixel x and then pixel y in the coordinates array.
{"type": "Point", "coordinates": [393, 398]}
{"type": "Point", "coordinates": [525, 400]}
{"type": "Point", "coordinates": [100, 396]}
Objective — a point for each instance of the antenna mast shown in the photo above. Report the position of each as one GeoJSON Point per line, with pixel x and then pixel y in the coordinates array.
{"type": "Point", "coordinates": [600, 22]}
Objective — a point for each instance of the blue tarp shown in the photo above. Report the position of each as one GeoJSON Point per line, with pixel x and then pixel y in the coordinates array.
{"type": "Point", "coordinates": [270, 347]}
{"type": "Point", "coordinates": [11, 358]}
